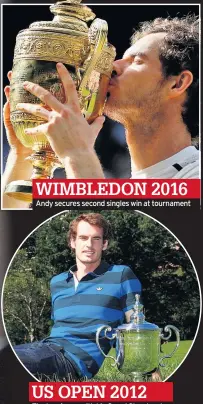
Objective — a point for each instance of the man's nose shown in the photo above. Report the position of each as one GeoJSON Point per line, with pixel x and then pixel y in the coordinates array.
{"type": "Point", "coordinates": [118, 67]}
{"type": "Point", "coordinates": [89, 242]}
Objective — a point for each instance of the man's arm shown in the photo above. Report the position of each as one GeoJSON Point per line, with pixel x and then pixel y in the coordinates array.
{"type": "Point", "coordinates": [130, 286]}
{"type": "Point", "coordinates": [82, 165]}
{"type": "Point", "coordinates": [17, 168]}
{"type": "Point", "coordinates": [128, 314]}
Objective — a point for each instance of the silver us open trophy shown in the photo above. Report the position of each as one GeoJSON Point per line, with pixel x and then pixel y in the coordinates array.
{"type": "Point", "coordinates": [77, 39]}
{"type": "Point", "coordinates": [137, 345]}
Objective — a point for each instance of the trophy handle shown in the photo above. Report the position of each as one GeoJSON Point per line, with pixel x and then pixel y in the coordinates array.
{"type": "Point", "coordinates": [99, 31]}
{"type": "Point", "coordinates": [107, 329]}
{"type": "Point", "coordinates": [169, 329]}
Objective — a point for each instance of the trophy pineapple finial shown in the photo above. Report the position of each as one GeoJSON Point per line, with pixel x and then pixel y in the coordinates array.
{"type": "Point", "coordinates": [138, 316]}
{"type": "Point", "coordinates": [73, 9]}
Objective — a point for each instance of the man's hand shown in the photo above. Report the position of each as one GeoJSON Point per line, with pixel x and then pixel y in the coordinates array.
{"type": "Point", "coordinates": [156, 376]}
{"type": "Point", "coordinates": [14, 143]}
{"type": "Point", "coordinates": [17, 167]}
{"type": "Point", "coordinates": [68, 132]}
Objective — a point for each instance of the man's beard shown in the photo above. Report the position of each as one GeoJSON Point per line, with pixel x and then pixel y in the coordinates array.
{"type": "Point", "coordinates": [140, 109]}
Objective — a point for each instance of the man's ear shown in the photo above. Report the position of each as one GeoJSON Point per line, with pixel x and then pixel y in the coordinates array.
{"type": "Point", "coordinates": [105, 245]}
{"type": "Point", "coordinates": [72, 243]}
{"type": "Point", "coordinates": [180, 83]}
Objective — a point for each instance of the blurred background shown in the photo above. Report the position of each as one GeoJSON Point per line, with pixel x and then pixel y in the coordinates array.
{"type": "Point", "coordinates": [122, 20]}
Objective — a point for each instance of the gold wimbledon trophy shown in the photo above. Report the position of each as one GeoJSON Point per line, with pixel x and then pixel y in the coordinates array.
{"type": "Point", "coordinates": [88, 57]}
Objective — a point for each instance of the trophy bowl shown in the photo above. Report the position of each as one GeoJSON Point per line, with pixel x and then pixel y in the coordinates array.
{"type": "Point", "coordinates": [137, 345]}
{"type": "Point", "coordinates": [88, 57]}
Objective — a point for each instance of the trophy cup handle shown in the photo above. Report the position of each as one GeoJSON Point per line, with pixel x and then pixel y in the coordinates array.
{"type": "Point", "coordinates": [169, 329]}
{"type": "Point", "coordinates": [107, 329]}
{"type": "Point", "coordinates": [99, 31]}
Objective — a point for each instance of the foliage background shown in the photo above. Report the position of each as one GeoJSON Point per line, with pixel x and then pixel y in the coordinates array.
{"type": "Point", "coordinates": [170, 287]}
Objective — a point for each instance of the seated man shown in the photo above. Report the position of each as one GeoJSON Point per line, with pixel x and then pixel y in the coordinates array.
{"type": "Point", "coordinates": [90, 294]}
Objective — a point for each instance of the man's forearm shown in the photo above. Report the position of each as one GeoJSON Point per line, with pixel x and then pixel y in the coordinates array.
{"type": "Point", "coordinates": [17, 168]}
{"type": "Point", "coordinates": [84, 165]}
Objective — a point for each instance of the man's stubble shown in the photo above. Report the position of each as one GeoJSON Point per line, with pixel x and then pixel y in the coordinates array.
{"type": "Point", "coordinates": [144, 111]}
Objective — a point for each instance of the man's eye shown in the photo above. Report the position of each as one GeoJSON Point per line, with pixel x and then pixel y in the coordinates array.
{"type": "Point", "coordinates": [138, 60]}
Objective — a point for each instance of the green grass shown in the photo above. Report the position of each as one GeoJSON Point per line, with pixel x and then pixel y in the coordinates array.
{"type": "Point", "coordinates": [110, 373]}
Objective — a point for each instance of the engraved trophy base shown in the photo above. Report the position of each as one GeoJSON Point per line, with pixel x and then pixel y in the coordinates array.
{"type": "Point", "coordinates": [139, 377]}
{"type": "Point", "coordinates": [21, 190]}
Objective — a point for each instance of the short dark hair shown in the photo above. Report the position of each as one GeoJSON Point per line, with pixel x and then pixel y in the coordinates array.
{"type": "Point", "coordinates": [94, 219]}
{"type": "Point", "coordinates": [178, 51]}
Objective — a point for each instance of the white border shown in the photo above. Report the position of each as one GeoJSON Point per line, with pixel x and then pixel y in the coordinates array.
{"type": "Point", "coordinates": [95, 4]}
{"type": "Point", "coordinates": [66, 211]}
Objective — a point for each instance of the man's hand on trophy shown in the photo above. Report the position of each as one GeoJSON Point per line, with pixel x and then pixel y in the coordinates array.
{"type": "Point", "coordinates": [17, 166]}
{"type": "Point", "coordinates": [15, 144]}
{"type": "Point", "coordinates": [67, 130]}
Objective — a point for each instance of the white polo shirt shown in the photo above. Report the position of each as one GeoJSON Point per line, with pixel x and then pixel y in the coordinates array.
{"type": "Point", "coordinates": [184, 164]}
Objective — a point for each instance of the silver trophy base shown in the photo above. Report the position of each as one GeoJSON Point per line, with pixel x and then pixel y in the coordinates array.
{"type": "Point", "coordinates": [154, 376]}
{"type": "Point", "coordinates": [138, 377]}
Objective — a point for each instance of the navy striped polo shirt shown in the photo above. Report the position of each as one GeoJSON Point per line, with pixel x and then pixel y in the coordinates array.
{"type": "Point", "coordinates": [101, 298]}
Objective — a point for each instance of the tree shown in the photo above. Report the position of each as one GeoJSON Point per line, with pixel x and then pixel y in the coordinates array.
{"type": "Point", "coordinates": [26, 306]}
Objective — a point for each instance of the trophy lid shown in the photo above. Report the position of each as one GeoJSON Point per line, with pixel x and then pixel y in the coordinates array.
{"type": "Point", "coordinates": [70, 17]}
{"type": "Point", "coordinates": [67, 38]}
{"type": "Point", "coordinates": [137, 319]}
{"type": "Point", "coordinates": [73, 8]}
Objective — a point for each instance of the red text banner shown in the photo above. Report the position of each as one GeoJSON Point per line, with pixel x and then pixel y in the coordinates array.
{"type": "Point", "coordinates": [100, 392]}
{"type": "Point", "coordinates": [116, 189]}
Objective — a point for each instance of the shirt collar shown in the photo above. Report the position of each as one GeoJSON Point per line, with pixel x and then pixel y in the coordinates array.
{"type": "Point", "coordinates": [100, 270]}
